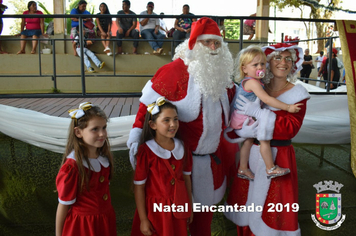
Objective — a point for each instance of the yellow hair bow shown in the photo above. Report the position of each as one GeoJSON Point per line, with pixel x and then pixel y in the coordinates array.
{"type": "Point", "coordinates": [78, 113]}
{"type": "Point", "coordinates": [153, 108]}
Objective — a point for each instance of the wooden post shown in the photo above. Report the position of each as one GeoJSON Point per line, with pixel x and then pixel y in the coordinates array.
{"type": "Point", "coordinates": [262, 26]}
{"type": "Point", "coordinates": [59, 8]}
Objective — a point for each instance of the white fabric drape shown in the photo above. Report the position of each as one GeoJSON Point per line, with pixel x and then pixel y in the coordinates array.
{"type": "Point", "coordinates": [327, 121]}
{"type": "Point", "coordinates": [51, 132]}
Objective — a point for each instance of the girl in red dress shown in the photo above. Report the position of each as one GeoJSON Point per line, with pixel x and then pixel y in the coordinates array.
{"type": "Point", "coordinates": [162, 167]}
{"type": "Point", "coordinates": [84, 206]}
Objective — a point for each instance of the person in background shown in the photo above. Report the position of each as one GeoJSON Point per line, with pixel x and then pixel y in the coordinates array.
{"type": "Point", "coordinates": [319, 59]}
{"type": "Point", "coordinates": [323, 71]}
{"type": "Point", "coordinates": [222, 27]}
{"type": "Point", "coordinates": [307, 66]}
{"type": "Point", "coordinates": [103, 27]}
{"type": "Point", "coordinates": [81, 9]}
{"type": "Point", "coordinates": [2, 10]}
{"type": "Point", "coordinates": [329, 33]}
{"type": "Point", "coordinates": [126, 27]}
{"type": "Point", "coordinates": [31, 27]}
{"type": "Point", "coordinates": [335, 71]}
{"type": "Point", "coordinates": [162, 26]}
{"type": "Point", "coordinates": [149, 28]}
{"type": "Point", "coordinates": [86, 51]}
{"type": "Point", "coordinates": [83, 180]}
{"type": "Point", "coordinates": [183, 26]}
{"type": "Point", "coordinates": [249, 27]}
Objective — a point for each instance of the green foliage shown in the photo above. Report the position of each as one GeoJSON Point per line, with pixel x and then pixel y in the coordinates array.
{"type": "Point", "coordinates": [55, 90]}
{"type": "Point", "coordinates": [232, 27]}
{"type": "Point", "coordinates": [46, 20]}
{"type": "Point", "coordinates": [19, 7]}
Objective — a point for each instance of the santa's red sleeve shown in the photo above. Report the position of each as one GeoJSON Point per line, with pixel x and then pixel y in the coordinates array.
{"type": "Point", "coordinates": [171, 82]}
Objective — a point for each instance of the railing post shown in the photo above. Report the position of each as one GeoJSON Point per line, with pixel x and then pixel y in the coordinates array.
{"type": "Point", "coordinates": [81, 40]}
{"type": "Point", "coordinates": [330, 62]}
{"type": "Point", "coordinates": [54, 64]}
{"type": "Point", "coordinates": [39, 55]}
{"type": "Point", "coordinates": [241, 33]}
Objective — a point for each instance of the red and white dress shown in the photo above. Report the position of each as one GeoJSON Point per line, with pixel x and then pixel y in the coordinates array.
{"type": "Point", "coordinates": [152, 171]}
{"type": "Point", "coordinates": [202, 121]}
{"type": "Point", "coordinates": [269, 192]}
{"type": "Point", "coordinates": [91, 212]}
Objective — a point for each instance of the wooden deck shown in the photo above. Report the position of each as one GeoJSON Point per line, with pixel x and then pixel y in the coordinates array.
{"type": "Point", "coordinates": [113, 107]}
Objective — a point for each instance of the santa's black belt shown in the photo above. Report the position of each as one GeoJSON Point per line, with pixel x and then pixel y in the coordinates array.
{"type": "Point", "coordinates": [278, 143]}
{"type": "Point", "coordinates": [215, 157]}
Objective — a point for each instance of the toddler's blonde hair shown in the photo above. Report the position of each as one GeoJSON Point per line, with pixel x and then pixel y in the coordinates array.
{"type": "Point", "coordinates": [244, 57]}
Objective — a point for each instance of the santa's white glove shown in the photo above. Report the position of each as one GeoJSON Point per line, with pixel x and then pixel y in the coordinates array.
{"type": "Point", "coordinates": [133, 152]}
{"type": "Point", "coordinates": [246, 107]}
{"type": "Point", "coordinates": [247, 131]}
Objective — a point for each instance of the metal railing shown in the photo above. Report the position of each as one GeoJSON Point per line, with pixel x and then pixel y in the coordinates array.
{"type": "Point", "coordinates": [82, 74]}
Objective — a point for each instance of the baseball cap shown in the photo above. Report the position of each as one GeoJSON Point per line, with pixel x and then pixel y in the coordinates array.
{"type": "Point", "coordinates": [150, 4]}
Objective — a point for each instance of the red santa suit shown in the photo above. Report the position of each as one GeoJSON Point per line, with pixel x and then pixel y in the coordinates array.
{"type": "Point", "coordinates": [264, 193]}
{"type": "Point", "coordinates": [201, 124]}
{"type": "Point", "coordinates": [202, 120]}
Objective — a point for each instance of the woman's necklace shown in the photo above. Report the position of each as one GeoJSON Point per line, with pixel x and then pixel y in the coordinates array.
{"type": "Point", "coordinates": [277, 89]}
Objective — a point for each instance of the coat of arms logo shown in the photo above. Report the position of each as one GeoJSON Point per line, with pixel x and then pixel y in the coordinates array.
{"type": "Point", "coordinates": [328, 205]}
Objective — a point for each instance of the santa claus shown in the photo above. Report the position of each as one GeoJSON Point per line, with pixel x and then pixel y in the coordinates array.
{"type": "Point", "coordinates": [198, 82]}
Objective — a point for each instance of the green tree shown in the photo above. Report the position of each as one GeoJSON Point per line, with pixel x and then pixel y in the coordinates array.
{"type": "Point", "coordinates": [316, 12]}
{"type": "Point", "coordinates": [232, 28]}
{"type": "Point", "coordinates": [19, 7]}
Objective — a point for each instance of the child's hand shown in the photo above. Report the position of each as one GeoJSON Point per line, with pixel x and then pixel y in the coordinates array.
{"type": "Point", "coordinates": [190, 219]}
{"type": "Point", "coordinates": [294, 108]}
{"type": "Point", "coordinates": [146, 227]}
{"type": "Point", "coordinates": [89, 42]}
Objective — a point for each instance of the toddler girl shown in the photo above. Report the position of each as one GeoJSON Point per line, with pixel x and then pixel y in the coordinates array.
{"type": "Point", "coordinates": [162, 175]}
{"type": "Point", "coordinates": [251, 68]}
{"type": "Point", "coordinates": [84, 206]}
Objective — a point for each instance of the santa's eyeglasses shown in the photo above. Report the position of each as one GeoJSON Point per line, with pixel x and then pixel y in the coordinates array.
{"type": "Point", "coordinates": [210, 42]}
{"type": "Point", "coordinates": [279, 59]}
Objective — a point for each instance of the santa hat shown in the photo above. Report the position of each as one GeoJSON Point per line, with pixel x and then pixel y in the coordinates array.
{"type": "Point", "coordinates": [288, 46]}
{"type": "Point", "coordinates": [204, 28]}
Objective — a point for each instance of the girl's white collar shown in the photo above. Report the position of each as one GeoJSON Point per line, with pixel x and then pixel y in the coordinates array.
{"type": "Point", "coordinates": [177, 152]}
{"type": "Point", "coordinates": [95, 163]}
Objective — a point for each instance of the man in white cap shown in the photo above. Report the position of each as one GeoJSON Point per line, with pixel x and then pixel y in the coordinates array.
{"type": "Point", "coordinates": [198, 82]}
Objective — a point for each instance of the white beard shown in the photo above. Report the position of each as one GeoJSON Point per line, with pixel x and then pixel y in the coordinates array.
{"type": "Point", "coordinates": [211, 72]}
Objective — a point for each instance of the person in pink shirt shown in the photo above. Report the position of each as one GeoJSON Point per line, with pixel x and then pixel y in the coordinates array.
{"type": "Point", "coordinates": [249, 27]}
{"type": "Point", "coordinates": [34, 27]}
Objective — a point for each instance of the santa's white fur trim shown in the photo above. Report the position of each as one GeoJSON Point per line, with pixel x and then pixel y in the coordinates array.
{"type": "Point", "coordinates": [265, 126]}
{"type": "Point", "coordinates": [203, 182]}
{"type": "Point", "coordinates": [188, 107]}
{"type": "Point", "coordinates": [212, 126]}
{"type": "Point", "coordinates": [257, 194]}
{"type": "Point", "coordinates": [134, 136]}
{"type": "Point", "coordinates": [209, 36]}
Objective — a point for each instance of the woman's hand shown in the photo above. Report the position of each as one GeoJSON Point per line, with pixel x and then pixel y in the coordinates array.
{"type": "Point", "coordinates": [146, 227]}
{"type": "Point", "coordinates": [247, 131]}
{"type": "Point", "coordinates": [246, 107]}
